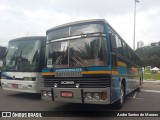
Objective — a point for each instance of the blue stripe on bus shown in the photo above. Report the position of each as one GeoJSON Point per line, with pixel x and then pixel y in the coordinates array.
{"type": "Point", "coordinates": [46, 70]}
{"type": "Point", "coordinates": [89, 69]}
{"type": "Point", "coordinates": [5, 74]}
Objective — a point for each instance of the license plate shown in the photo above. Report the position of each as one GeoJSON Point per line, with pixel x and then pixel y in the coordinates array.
{"type": "Point", "coordinates": [14, 85]}
{"type": "Point", "coordinates": [66, 94]}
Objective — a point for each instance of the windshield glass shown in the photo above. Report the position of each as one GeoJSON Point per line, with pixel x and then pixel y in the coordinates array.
{"type": "Point", "coordinates": [80, 52]}
{"type": "Point", "coordinates": [87, 48]}
{"type": "Point", "coordinates": [57, 54]}
{"type": "Point", "coordinates": [85, 29]}
{"type": "Point", "coordinates": [22, 55]}
{"type": "Point", "coordinates": [74, 30]}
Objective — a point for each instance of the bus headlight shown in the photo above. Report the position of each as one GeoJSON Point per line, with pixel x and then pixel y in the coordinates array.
{"type": "Point", "coordinates": [77, 85]}
{"type": "Point", "coordinates": [55, 85]}
{"type": "Point", "coordinates": [88, 96]}
{"type": "Point", "coordinates": [29, 78]}
{"type": "Point", "coordinates": [44, 93]}
{"type": "Point", "coordinates": [96, 96]}
{"type": "Point", "coordinates": [49, 94]}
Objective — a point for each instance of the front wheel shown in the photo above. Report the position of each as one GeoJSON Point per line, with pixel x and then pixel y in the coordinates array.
{"type": "Point", "coordinates": [118, 104]}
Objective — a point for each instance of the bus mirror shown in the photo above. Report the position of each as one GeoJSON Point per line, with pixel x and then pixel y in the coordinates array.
{"type": "Point", "coordinates": [2, 52]}
{"type": "Point", "coordinates": [113, 42]}
{"type": "Point", "coordinates": [2, 56]}
{"type": "Point", "coordinates": [114, 47]}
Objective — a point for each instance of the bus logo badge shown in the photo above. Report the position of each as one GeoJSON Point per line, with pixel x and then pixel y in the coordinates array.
{"type": "Point", "coordinates": [67, 82]}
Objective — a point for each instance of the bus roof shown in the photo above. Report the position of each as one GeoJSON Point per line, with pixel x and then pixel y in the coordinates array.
{"type": "Point", "coordinates": [28, 38]}
{"type": "Point", "coordinates": [77, 22]}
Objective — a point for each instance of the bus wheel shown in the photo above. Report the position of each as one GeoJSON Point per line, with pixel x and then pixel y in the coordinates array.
{"type": "Point", "coordinates": [118, 104]}
{"type": "Point", "coordinates": [139, 88]}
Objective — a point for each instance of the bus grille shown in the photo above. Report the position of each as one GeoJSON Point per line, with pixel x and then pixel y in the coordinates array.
{"type": "Point", "coordinates": [83, 82]}
{"type": "Point", "coordinates": [68, 74]}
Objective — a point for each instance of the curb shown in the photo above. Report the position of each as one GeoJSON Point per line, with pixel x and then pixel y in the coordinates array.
{"type": "Point", "coordinates": [157, 81]}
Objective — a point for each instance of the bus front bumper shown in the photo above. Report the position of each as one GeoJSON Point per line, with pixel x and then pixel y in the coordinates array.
{"type": "Point", "coordinates": [77, 95]}
{"type": "Point", "coordinates": [20, 86]}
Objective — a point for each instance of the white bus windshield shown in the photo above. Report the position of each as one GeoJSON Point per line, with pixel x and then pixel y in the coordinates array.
{"type": "Point", "coordinates": [22, 55]}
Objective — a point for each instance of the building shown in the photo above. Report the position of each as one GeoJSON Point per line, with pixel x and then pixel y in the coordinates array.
{"type": "Point", "coordinates": [140, 44]}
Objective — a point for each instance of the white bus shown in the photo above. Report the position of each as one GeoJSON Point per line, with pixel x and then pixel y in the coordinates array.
{"type": "Point", "coordinates": [23, 64]}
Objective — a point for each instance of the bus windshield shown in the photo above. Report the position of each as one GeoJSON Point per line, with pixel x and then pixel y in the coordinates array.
{"type": "Point", "coordinates": [22, 55]}
{"type": "Point", "coordinates": [85, 51]}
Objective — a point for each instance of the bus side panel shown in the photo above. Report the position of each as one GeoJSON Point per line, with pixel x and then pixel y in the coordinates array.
{"type": "Point", "coordinates": [125, 71]}
{"type": "Point", "coordinates": [132, 77]}
{"type": "Point", "coordinates": [115, 88]}
{"type": "Point", "coordinates": [138, 74]}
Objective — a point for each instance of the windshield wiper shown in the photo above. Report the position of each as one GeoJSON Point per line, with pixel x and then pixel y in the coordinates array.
{"type": "Point", "coordinates": [79, 63]}
{"type": "Point", "coordinates": [58, 59]}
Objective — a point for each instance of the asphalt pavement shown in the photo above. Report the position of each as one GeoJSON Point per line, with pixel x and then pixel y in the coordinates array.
{"type": "Point", "coordinates": [146, 100]}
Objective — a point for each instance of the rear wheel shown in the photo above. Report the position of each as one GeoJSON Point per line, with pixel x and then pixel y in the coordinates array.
{"type": "Point", "coordinates": [139, 88]}
{"type": "Point", "coordinates": [118, 104]}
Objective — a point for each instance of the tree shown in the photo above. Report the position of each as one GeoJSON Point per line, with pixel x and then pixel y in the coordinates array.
{"type": "Point", "coordinates": [150, 55]}
{"type": "Point", "coordinates": [154, 44]}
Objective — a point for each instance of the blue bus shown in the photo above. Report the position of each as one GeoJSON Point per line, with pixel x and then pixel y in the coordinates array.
{"type": "Point", "coordinates": [88, 62]}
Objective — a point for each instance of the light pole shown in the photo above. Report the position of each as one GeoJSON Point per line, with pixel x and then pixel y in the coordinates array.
{"type": "Point", "coordinates": [136, 1]}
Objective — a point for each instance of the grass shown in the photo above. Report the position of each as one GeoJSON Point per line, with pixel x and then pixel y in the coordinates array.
{"type": "Point", "coordinates": [151, 76]}
{"type": "Point", "coordinates": [148, 71]}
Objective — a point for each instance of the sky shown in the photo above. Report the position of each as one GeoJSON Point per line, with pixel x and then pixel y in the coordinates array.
{"type": "Point", "coordinates": [19, 18]}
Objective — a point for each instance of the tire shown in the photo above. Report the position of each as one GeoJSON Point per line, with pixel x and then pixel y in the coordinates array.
{"type": "Point", "coordinates": [118, 104]}
{"type": "Point", "coordinates": [139, 88]}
